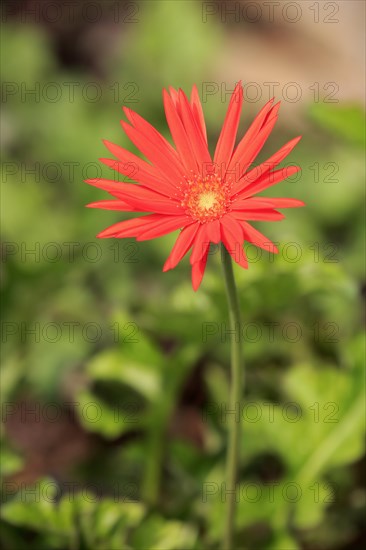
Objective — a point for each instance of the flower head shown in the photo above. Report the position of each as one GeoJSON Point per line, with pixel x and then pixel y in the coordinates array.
{"type": "Point", "coordinates": [182, 187]}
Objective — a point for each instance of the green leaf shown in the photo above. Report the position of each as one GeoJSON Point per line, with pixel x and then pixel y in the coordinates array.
{"type": "Point", "coordinates": [96, 416]}
{"type": "Point", "coordinates": [118, 366]}
{"type": "Point", "coordinates": [319, 427]}
{"type": "Point", "coordinates": [98, 523]}
{"type": "Point", "coordinates": [168, 535]}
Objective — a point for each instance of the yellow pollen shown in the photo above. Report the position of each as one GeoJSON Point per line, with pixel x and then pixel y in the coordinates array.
{"type": "Point", "coordinates": [206, 198]}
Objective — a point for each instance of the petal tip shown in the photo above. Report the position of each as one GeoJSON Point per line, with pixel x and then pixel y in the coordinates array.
{"type": "Point", "coordinates": [195, 285]}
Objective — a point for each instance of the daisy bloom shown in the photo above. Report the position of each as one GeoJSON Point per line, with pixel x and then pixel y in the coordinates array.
{"type": "Point", "coordinates": [211, 200]}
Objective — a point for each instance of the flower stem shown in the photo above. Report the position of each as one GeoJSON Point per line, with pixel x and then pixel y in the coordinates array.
{"type": "Point", "coordinates": [236, 390]}
{"type": "Point", "coordinates": [153, 469]}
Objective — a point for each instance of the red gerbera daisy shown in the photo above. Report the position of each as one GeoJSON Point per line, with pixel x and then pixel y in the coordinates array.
{"type": "Point", "coordinates": [212, 201]}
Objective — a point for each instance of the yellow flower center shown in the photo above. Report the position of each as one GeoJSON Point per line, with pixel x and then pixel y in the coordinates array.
{"type": "Point", "coordinates": [206, 198]}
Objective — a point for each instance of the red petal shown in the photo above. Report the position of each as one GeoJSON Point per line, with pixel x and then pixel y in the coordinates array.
{"type": "Point", "coordinates": [258, 215]}
{"type": "Point", "coordinates": [131, 171]}
{"type": "Point", "coordinates": [267, 180]}
{"type": "Point", "coordinates": [200, 244]}
{"type": "Point", "coordinates": [110, 185]}
{"type": "Point", "coordinates": [198, 112]}
{"type": "Point", "coordinates": [174, 95]}
{"type": "Point", "coordinates": [143, 199]}
{"type": "Point", "coordinates": [256, 237]}
{"type": "Point", "coordinates": [213, 231]}
{"type": "Point", "coordinates": [181, 246]}
{"type": "Point", "coordinates": [137, 169]}
{"type": "Point", "coordinates": [272, 113]}
{"type": "Point", "coordinates": [272, 162]}
{"type": "Point", "coordinates": [226, 142]}
{"type": "Point", "coordinates": [198, 270]}
{"type": "Point", "coordinates": [154, 151]}
{"type": "Point", "coordinates": [151, 133]}
{"type": "Point", "coordinates": [112, 205]}
{"type": "Point", "coordinates": [148, 205]}
{"type": "Point", "coordinates": [163, 227]}
{"type": "Point", "coordinates": [277, 202]}
{"type": "Point", "coordinates": [255, 203]}
{"type": "Point", "coordinates": [251, 152]}
{"type": "Point", "coordinates": [195, 135]}
{"type": "Point", "coordinates": [129, 228]}
{"type": "Point", "coordinates": [233, 238]}
{"type": "Point", "coordinates": [181, 140]}
{"type": "Point", "coordinates": [250, 135]}
{"type": "Point", "coordinates": [129, 158]}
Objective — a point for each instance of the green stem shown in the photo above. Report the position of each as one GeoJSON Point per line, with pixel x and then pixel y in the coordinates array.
{"type": "Point", "coordinates": [236, 391]}
{"type": "Point", "coordinates": [154, 459]}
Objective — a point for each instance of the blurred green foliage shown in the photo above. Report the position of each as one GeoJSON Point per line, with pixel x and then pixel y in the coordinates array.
{"type": "Point", "coordinates": [151, 343]}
